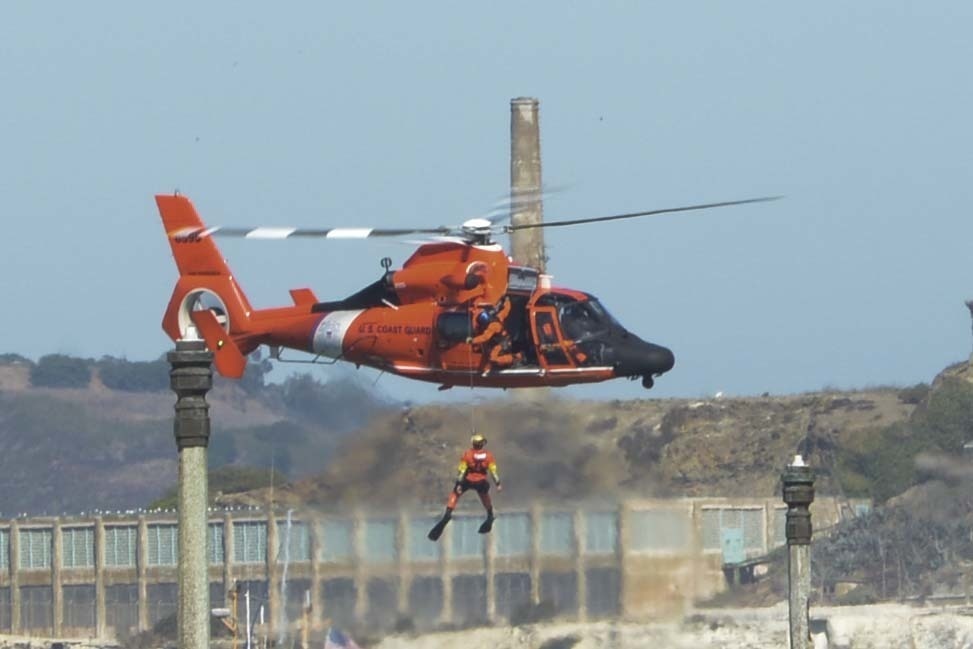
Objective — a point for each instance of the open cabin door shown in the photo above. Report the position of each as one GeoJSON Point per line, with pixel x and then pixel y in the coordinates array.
{"type": "Point", "coordinates": [547, 335]}
{"type": "Point", "coordinates": [452, 352]}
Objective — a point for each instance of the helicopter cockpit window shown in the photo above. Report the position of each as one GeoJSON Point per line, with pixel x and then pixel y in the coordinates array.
{"type": "Point", "coordinates": [602, 312]}
{"type": "Point", "coordinates": [584, 320]}
{"type": "Point", "coordinates": [454, 327]}
{"type": "Point", "coordinates": [580, 321]}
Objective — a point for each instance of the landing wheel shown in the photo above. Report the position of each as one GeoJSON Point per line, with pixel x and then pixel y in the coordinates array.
{"type": "Point", "coordinates": [647, 382]}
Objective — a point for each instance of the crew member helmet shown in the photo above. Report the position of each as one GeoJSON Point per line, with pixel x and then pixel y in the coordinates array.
{"type": "Point", "coordinates": [478, 440]}
{"type": "Point", "coordinates": [483, 317]}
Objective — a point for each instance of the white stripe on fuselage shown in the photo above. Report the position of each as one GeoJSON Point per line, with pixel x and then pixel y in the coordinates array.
{"type": "Point", "coordinates": [330, 334]}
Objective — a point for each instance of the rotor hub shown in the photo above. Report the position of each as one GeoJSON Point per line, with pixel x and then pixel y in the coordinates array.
{"type": "Point", "coordinates": [477, 230]}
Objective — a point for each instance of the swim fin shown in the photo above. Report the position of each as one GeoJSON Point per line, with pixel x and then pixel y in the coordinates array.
{"type": "Point", "coordinates": [487, 525]}
{"type": "Point", "coordinates": [437, 529]}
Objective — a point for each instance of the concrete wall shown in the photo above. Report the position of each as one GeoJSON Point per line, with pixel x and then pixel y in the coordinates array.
{"type": "Point", "coordinates": [107, 576]}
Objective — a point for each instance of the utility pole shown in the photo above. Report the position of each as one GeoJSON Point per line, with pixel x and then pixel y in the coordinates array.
{"type": "Point", "coordinates": [527, 207]}
{"type": "Point", "coordinates": [798, 481]}
{"type": "Point", "coordinates": [191, 377]}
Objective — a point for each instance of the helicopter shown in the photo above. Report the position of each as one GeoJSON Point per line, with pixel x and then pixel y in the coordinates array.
{"type": "Point", "coordinates": [419, 321]}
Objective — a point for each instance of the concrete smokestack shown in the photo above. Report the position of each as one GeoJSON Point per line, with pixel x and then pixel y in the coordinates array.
{"type": "Point", "coordinates": [526, 246]}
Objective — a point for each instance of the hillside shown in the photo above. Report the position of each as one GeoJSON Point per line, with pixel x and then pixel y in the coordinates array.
{"type": "Point", "coordinates": [559, 449]}
{"type": "Point", "coordinates": [98, 446]}
{"type": "Point", "coordinates": [86, 447]}
{"type": "Point", "coordinates": [914, 545]}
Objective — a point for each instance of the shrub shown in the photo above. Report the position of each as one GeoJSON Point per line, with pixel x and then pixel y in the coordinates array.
{"type": "Point", "coordinates": [134, 376]}
{"type": "Point", "coordinates": [914, 395]}
{"type": "Point", "coordinates": [60, 371]}
{"type": "Point", "coordinates": [254, 378]}
{"type": "Point", "coordinates": [225, 480]}
{"type": "Point", "coordinates": [14, 359]}
{"type": "Point", "coordinates": [341, 404]}
{"type": "Point", "coordinates": [881, 462]}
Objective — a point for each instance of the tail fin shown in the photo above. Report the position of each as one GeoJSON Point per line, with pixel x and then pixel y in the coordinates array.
{"type": "Point", "coordinates": [194, 255]}
{"type": "Point", "coordinates": [202, 273]}
{"type": "Point", "coordinates": [229, 360]}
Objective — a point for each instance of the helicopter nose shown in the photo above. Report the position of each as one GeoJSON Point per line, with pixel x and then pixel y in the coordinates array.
{"type": "Point", "coordinates": [657, 359]}
{"type": "Point", "coordinates": [640, 358]}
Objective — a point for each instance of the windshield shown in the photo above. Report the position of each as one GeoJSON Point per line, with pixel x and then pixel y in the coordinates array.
{"type": "Point", "coordinates": [602, 311]}
{"type": "Point", "coordinates": [582, 320]}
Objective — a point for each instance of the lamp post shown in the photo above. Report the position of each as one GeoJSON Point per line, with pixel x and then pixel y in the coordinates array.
{"type": "Point", "coordinates": [798, 481]}
{"type": "Point", "coordinates": [191, 377]}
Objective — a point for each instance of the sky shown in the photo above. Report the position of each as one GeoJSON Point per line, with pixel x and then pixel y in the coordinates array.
{"type": "Point", "coordinates": [390, 114]}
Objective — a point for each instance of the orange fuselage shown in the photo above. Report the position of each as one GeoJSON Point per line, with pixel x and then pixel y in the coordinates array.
{"type": "Point", "coordinates": [417, 322]}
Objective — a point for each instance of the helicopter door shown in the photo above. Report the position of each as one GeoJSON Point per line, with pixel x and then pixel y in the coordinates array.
{"type": "Point", "coordinates": [452, 330]}
{"type": "Point", "coordinates": [547, 334]}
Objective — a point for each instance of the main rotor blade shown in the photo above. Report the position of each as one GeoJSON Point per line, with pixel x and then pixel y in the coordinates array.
{"type": "Point", "coordinates": [617, 217]}
{"type": "Point", "coordinates": [285, 233]}
{"type": "Point", "coordinates": [516, 201]}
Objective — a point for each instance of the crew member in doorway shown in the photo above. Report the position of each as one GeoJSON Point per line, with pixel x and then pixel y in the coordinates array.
{"type": "Point", "coordinates": [473, 468]}
{"type": "Point", "coordinates": [493, 333]}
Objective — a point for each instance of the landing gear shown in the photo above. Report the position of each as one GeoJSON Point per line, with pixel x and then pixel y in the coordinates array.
{"type": "Point", "coordinates": [647, 382]}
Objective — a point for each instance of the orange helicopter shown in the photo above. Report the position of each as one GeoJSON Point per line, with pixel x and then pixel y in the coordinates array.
{"type": "Point", "coordinates": [420, 321]}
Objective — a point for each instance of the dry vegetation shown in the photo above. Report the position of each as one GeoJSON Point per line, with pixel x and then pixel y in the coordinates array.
{"type": "Point", "coordinates": [92, 446]}
{"type": "Point", "coordinates": [567, 450]}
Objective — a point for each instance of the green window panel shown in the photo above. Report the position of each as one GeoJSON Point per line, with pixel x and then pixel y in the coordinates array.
{"type": "Point", "coordinates": [601, 532]}
{"type": "Point", "coordinates": [4, 550]}
{"type": "Point", "coordinates": [250, 542]}
{"type": "Point", "coordinates": [467, 541]}
{"type": "Point", "coordinates": [513, 534]}
{"type": "Point", "coordinates": [420, 547]}
{"type": "Point", "coordinates": [380, 540]}
{"type": "Point", "coordinates": [121, 545]}
{"type": "Point", "coordinates": [557, 533]}
{"type": "Point", "coordinates": [337, 540]}
{"type": "Point", "coordinates": [78, 547]}
{"type": "Point", "coordinates": [163, 544]}
{"type": "Point", "coordinates": [214, 544]}
{"type": "Point", "coordinates": [35, 548]}
{"type": "Point", "coordinates": [299, 547]}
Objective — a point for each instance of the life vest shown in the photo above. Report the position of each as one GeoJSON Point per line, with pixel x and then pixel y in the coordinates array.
{"type": "Point", "coordinates": [478, 463]}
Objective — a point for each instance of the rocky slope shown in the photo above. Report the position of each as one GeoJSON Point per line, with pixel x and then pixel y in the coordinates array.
{"type": "Point", "coordinates": [559, 449]}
